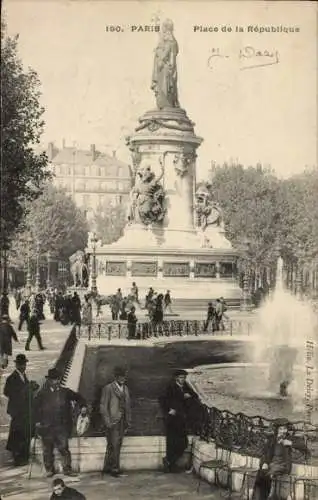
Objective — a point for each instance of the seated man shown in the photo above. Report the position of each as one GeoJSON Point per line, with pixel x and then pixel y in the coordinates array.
{"type": "Point", "coordinates": [276, 461]}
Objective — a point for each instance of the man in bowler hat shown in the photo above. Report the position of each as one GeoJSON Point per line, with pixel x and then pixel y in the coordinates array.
{"type": "Point", "coordinates": [176, 404]}
{"type": "Point", "coordinates": [20, 392]}
{"type": "Point", "coordinates": [116, 412]}
{"type": "Point", "coordinates": [54, 420]}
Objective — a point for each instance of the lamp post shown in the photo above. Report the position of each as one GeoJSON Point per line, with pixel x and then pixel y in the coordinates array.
{"type": "Point", "coordinates": [246, 297]}
{"type": "Point", "coordinates": [245, 305]}
{"type": "Point", "coordinates": [298, 282]}
{"type": "Point", "coordinates": [37, 275]}
{"type": "Point", "coordinates": [48, 278]}
{"type": "Point", "coordinates": [93, 281]}
{"type": "Point", "coordinates": [29, 277]}
{"type": "Point", "coordinates": [4, 295]}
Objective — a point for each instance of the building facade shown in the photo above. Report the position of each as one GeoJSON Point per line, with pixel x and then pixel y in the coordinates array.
{"type": "Point", "coordinates": [90, 177]}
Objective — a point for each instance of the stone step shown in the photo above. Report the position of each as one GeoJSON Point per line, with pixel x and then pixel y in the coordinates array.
{"type": "Point", "coordinates": [201, 304]}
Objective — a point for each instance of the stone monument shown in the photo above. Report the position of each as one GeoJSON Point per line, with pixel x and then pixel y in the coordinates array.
{"type": "Point", "coordinates": [163, 246]}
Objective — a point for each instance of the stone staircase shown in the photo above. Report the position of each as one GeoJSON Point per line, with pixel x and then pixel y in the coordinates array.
{"type": "Point", "coordinates": [200, 305]}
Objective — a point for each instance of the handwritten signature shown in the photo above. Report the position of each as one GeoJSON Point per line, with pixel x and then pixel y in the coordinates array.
{"type": "Point", "coordinates": [248, 56]}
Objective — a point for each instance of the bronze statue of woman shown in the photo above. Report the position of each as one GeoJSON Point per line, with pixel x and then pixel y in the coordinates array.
{"type": "Point", "coordinates": [164, 76]}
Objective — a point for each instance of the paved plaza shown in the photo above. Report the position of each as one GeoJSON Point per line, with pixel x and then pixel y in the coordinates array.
{"type": "Point", "coordinates": [141, 485]}
{"type": "Point", "coordinates": [14, 482]}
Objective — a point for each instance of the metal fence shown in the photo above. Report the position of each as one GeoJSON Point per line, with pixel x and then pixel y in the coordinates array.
{"type": "Point", "coordinates": [245, 434]}
{"type": "Point", "coordinates": [250, 435]}
{"type": "Point", "coordinates": [173, 327]}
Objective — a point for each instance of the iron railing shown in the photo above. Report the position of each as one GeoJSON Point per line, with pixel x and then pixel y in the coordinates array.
{"type": "Point", "coordinates": [249, 434]}
{"type": "Point", "coordinates": [109, 330]}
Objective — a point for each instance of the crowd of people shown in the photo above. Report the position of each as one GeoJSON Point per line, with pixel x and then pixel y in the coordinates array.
{"type": "Point", "coordinates": [69, 308]}
{"type": "Point", "coordinates": [46, 410]}
{"type": "Point", "coordinates": [215, 315]}
{"type": "Point", "coordinates": [51, 412]}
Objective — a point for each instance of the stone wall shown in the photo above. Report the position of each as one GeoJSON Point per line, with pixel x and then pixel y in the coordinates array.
{"type": "Point", "coordinates": [150, 367]}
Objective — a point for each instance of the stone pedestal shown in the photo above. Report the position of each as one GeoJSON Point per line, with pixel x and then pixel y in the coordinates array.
{"type": "Point", "coordinates": [165, 141]}
{"type": "Point", "coordinates": [168, 253]}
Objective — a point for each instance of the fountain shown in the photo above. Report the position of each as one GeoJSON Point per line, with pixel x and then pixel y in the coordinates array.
{"type": "Point", "coordinates": [280, 379]}
{"type": "Point", "coordinates": [285, 327]}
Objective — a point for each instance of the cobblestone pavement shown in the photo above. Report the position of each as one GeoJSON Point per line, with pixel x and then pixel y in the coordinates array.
{"type": "Point", "coordinates": [142, 485]}
{"type": "Point", "coordinates": [14, 483]}
{"type": "Point", "coordinates": [54, 336]}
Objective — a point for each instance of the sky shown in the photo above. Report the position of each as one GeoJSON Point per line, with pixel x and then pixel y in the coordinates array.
{"type": "Point", "coordinates": [251, 94]}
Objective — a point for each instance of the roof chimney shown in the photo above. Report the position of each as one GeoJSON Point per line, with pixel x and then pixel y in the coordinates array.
{"type": "Point", "coordinates": [114, 153]}
{"type": "Point", "coordinates": [50, 151]}
{"type": "Point", "coordinates": [93, 151]}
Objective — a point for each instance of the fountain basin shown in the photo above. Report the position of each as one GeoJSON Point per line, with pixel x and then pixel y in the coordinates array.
{"type": "Point", "coordinates": [243, 388]}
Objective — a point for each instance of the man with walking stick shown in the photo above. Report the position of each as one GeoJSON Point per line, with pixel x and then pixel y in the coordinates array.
{"type": "Point", "coordinates": [54, 420]}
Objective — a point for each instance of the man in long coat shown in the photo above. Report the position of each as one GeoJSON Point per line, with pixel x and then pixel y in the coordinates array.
{"type": "Point", "coordinates": [54, 422]}
{"type": "Point", "coordinates": [34, 331]}
{"type": "Point", "coordinates": [20, 391]}
{"type": "Point", "coordinates": [176, 404]}
{"type": "Point", "coordinates": [116, 412]}
{"type": "Point", "coordinates": [7, 333]}
{"type": "Point", "coordinates": [24, 314]}
{"type": "Point", "coordinates": [276, 460]}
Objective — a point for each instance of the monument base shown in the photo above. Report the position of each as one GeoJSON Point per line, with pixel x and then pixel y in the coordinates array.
{"type": "Point", "coordinates": [162, 247]}
{"type": "Point", "coordinates": [178, 264]}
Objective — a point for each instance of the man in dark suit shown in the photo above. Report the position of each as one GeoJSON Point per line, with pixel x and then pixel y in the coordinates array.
{"type": "Point", "coordinates": [7, 333]}
{"type": "Point", "coordinates": [276, 460]}
{"type": "Point", "coordinates": [34, 331]}
{"type": "Point", "coordinates": [176, 404]}
{"type": "Point", "coordinates": [53, 406]}
{"type": "Point", "coordinates": [20, 391]}
{"type": "Point", "coordinates": [24, 314]}
{"type": "Point", "coordinates": [132, 323]}
{"type": "Point", "coordinates": [116, 412]}
{"type": "Point", "coordinates": [210, 317]}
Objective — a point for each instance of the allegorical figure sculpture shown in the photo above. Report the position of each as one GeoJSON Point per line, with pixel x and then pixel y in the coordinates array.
{"type": "Point", "coordinates": [208, 212]}
{"type": "Point", "coordinates": [79, 268]}
{"type": "Point", "coordinates": [147, 198]}
{"type": "Point", "coordinates": [209, 220]}
{"type": "Point", "coordinates": [164, 76]}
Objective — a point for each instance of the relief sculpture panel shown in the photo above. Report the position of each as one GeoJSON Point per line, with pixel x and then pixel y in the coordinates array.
{"type": "Point", "coordinates": [116, 268]}
{"type": "Point", "coordinates": [144, 269]}
{"type": "Point", "coordinates": [205, 270]}
{"type": "Point", "coordinates": [177, 269]}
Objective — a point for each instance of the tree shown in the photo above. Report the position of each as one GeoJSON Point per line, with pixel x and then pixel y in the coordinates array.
{"type": "Point", "coordinates": [265, 216]}
{"type": "Point", "coordinates": [109, 221]}
{"type": "Point", "coordinates": [22, 170]}
{"type": "Point", "coordinates": [300, 234]}
{"type": "Point", "coordinates": [251, 202]}
{"type": "Point", "coordinates": [55, 223]}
